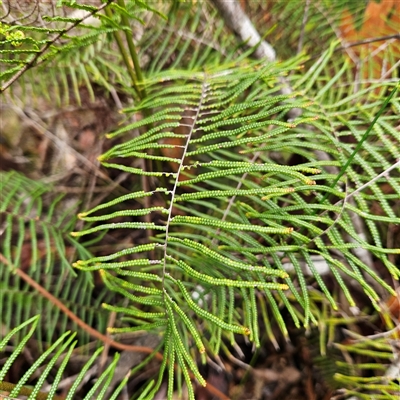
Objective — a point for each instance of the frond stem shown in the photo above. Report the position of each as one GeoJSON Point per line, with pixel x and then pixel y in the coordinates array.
{"type": "Point", "coordinates": [173, 191]}
{"type": "Point", "coordinates": [132, 50]}
{"type": "Point", "coordinates": [125, 55]}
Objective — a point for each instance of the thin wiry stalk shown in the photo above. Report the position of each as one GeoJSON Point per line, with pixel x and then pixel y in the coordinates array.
{"type": "Point", "coordinates": [174, 189]}
{"type": "Point", "coordinates": [360, 143]}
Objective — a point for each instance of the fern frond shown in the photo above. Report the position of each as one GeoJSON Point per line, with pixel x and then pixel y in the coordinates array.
{"type": "Point", "coordinates": [35, 238]}
{"type": "Point", "coordinates": [239, 218]}
{"type": "Point", "coordinates": [56, 356]}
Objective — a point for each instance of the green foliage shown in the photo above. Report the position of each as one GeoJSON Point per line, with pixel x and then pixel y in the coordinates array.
{"type": "Point", "coordinates": [35, 237]}
{"type": "Point", "coordinates": [239, 199]}
{"type": "Point", "coordinates": [224, 235]}
{"type": "Point", "coordinates": [56, 357]}
{"type": "Point", "coordinates": [385, 352]}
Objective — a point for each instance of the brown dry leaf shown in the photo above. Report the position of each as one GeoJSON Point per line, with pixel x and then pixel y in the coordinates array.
{"type": "Point", "coordinates": [393, 305]}
{"type": "Point", "coordinates": [380, 19]}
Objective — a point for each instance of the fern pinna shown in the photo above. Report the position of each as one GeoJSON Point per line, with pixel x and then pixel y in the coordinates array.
{"type": "Point", "coordinates": [224, 215]}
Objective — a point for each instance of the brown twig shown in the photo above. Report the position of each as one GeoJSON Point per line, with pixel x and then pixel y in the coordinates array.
{"type": "Point", "coordinates": [91, 331]}
{"type": "Point", "coordinates": [34, 120]}
{"type": "Point", "coordinates": [360, 43]}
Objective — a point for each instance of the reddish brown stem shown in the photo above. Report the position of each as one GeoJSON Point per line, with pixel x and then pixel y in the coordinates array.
{"type": "Point", "coordinates": [91, 331]}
